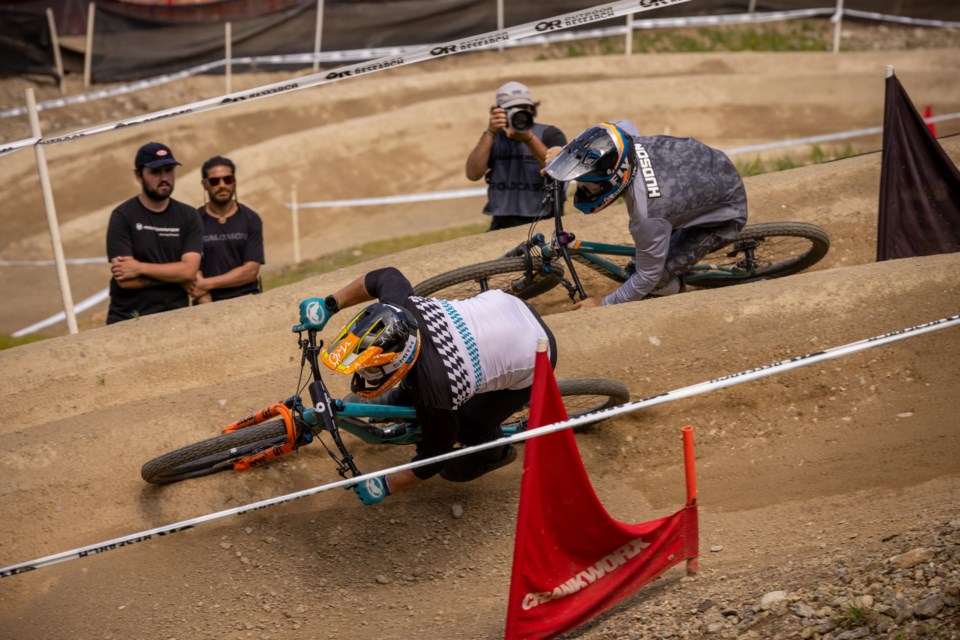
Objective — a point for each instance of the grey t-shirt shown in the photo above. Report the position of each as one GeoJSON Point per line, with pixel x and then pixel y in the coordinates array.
{"type": "Point", "coordinates": [515, 186]}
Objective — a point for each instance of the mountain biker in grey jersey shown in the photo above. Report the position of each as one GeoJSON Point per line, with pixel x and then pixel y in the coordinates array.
{"type": "Point", "coordinates": [683, 199]}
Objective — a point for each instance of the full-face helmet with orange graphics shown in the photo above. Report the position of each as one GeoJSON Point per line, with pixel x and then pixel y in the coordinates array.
{"type": "Point", "coordinates": [603, 163]}
{"type": "Point", "coordinates": [378, 347]}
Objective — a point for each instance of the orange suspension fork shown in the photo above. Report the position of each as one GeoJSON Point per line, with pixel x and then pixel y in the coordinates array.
{"type": "Point", "coordinates": [277, 410]}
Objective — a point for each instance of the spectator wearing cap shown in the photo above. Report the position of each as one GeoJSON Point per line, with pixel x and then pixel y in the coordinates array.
{"type": "Point", "coordinates": [232, 237]}
{"type": "Point", "coordinates": [510, 157]}
{"type": "Point", "coordinates": [154, 243]}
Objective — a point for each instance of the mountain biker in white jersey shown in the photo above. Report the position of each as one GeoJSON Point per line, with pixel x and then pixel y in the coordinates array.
{"type": "Point", "coordinates": [683, 199]}
{"type": "Point", "coordinates": [465, 366]}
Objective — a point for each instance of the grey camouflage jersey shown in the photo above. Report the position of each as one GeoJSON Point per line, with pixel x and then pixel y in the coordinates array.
{"type": "Point", "coordinates": [680, 183]}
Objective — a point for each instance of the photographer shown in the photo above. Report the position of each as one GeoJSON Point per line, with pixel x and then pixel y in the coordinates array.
{"type": "Point", "coordinates": [510, 153]}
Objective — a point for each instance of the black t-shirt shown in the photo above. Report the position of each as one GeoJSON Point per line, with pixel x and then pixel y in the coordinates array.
{"type": "Point", "coordinates": [153, 237]}
{"type": "Point", "coordinates": [229, 245]}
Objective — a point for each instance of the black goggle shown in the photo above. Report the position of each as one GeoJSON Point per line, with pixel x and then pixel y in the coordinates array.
{"type": "Point", "coordinates": [594, 188]}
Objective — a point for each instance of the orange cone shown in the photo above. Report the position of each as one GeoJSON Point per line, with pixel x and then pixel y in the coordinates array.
{"type": "Point", "coordinates": [928, 113]}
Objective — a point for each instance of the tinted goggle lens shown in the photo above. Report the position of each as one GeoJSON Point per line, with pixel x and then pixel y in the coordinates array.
{"type": "Point", "coordinates": [371, 374]}
{"type": "Point", "coordinates": [595, 188]}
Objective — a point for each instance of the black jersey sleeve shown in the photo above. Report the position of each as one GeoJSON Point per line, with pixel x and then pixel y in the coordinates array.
{"type": "Point", "coordinates": [119, 242]}
{"type": "Point", "coordinates": [388, 285]}
{"type": "Point", "coordinates": [439, 434]}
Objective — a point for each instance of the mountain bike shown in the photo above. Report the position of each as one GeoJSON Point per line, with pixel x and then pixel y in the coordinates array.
{"type": "Point", "coordinates": [535, 266]}
{"type": "Point", "coordinates": [284, 427]}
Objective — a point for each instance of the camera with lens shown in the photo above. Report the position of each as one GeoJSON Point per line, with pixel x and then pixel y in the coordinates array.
{"type": "Point", "coordinates": [519, 119]}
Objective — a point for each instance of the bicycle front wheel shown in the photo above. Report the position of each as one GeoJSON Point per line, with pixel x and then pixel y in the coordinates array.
{"type": "Point", "coordinates": [214, 454]}
{"type": "Point", "coordinates": [762, 251]}
{"type": "Point", "coordinates": [506, 274]}
{"type": "Point", "coordinates": [580, 397]}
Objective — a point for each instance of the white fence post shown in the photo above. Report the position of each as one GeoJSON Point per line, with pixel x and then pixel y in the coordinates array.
{"type": "Point", "coordinates": [51, 210]}
{"type": "Point", "coordinates": [317, 37]}
{"type": "Point", "coordinates": [296, 225]}
{"type": "Point", "coordinates": [628, 45]}
{"type": "Point", "coordinates": [55, 43]}
{"type": "Point", "coordinates": [228, 37]}
{"type": "Point", "coordinates": [88, 53]}
{"type": "Point", "coordinates": [837, 23]}
{"type": "Point", "coordinates": [500, 19]}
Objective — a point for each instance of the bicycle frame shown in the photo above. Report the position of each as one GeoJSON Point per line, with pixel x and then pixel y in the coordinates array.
{"type": "Point", "coordinates": [303, 423]}
{"type": "Point", "coordinates": [330, 415]}
{"type": "Point", "coordinates": [565, 244]}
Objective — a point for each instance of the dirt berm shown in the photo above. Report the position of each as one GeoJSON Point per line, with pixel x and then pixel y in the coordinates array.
{"type": "Point", "coordinates": [841, 454]}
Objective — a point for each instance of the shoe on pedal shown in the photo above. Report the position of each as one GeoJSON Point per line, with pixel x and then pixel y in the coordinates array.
{"type": "Point", "coordinates": [474, 465]}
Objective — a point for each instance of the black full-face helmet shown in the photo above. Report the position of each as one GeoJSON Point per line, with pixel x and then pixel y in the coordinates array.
{"type": "Point", "coordinates": [603, 163]}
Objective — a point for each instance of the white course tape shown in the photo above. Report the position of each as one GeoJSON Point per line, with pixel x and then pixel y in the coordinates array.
{"type": "Point", "coordinates": [367, 54]}
{"type": "Point", "coordinates": [428, 52]}
{"type": "Point", "coordinates": [827, 137]}
{"type": "Point", "coordinates": [96, 298]}
{"type": "Point", "coordinates": [685, 392]}
{"type": "Point", "coordinates": [408, 197]}
{"type": "Point", "coordinates": [920, 22]}
{"type": "Point", "coordinates": [479, 191]}
{"type": "Point", "coordinates": [50, 263]}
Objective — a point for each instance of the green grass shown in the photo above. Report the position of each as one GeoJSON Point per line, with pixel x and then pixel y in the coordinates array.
{"type": "Point", "coordinates": [8, 341]}
{"type": "Point", "coordinates": [778, 37]}
{"type": "Point", "coordinates": [803, 36]}
{"type": "Point", "coordinates": [355, 255]}
{"type": "Point", "coordinates": [817, 155]}
{"type": "Point", "coordinates": [853, 617]}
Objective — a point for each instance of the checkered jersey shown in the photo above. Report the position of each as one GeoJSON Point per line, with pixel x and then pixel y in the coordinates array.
{"type": "Point", "coordinates": [482, 344]}
{"type": "Point", "coordinates": [455, 345]}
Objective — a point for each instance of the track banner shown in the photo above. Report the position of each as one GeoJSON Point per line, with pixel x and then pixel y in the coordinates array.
{"type": "Point", "coordinates": [571, 560]}
{"type": "Point", "coordinates": [919, 185]}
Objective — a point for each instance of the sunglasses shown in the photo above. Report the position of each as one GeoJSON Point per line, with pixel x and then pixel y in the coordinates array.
{"type": "Point", "coordinates": [215, 182]}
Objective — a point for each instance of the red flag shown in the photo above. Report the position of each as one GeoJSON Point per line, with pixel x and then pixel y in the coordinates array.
{"type": "Point", "coordinates": [928, 113]}
{"type": "Point", "coordinates": [571, 560]}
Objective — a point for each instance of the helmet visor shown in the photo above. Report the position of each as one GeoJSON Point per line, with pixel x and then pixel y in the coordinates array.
{"type": "Point", "coordinates": [568, 165]}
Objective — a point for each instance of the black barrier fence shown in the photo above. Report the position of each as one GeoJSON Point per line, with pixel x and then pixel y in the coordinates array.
{"type": "Point", "coordinates": [26, 44]}
{"type": "Point", "coordinates": [139, 40]}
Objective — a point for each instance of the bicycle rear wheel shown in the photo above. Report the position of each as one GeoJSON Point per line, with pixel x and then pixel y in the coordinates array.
{"type": "Point", "coordinates": [580, 397]}
{"type": "Point", "coordinates": [778, 249]}
{"type": "Point", "coordinates": [506, 274]}
{"type": "Point", "coordinates": [214, 454]}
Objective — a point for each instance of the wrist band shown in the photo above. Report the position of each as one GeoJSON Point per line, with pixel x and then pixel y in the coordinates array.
{"type": "Point", "coordinates": [488, 132]}
{"type": "Point", "coordinates": [331, 303]}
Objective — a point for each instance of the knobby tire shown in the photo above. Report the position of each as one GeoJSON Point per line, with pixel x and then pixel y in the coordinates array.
{"type": "Point", "coordinates": [506, 274]}
{"type": "Point", "coordinates": [580, 397]}
{"type": "Point", "coordinates": [214, 454]}
{"type": "Point", "coordinates": [782, 248]}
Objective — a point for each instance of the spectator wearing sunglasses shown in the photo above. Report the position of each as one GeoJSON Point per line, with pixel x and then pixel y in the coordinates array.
{"type": "Point", "coordinates": [154, 243]}
{"type": "Point", "coordinates": [232, 238]}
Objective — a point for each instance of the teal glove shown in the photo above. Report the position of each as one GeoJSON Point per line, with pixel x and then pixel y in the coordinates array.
{"type": "Point", "coordinates": [314, 314]}
{"type": "Point", "coordinates": [373, 490]}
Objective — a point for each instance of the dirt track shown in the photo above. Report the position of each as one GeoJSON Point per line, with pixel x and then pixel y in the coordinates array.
{"type": "Point", "coordinates": [835, 456]}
